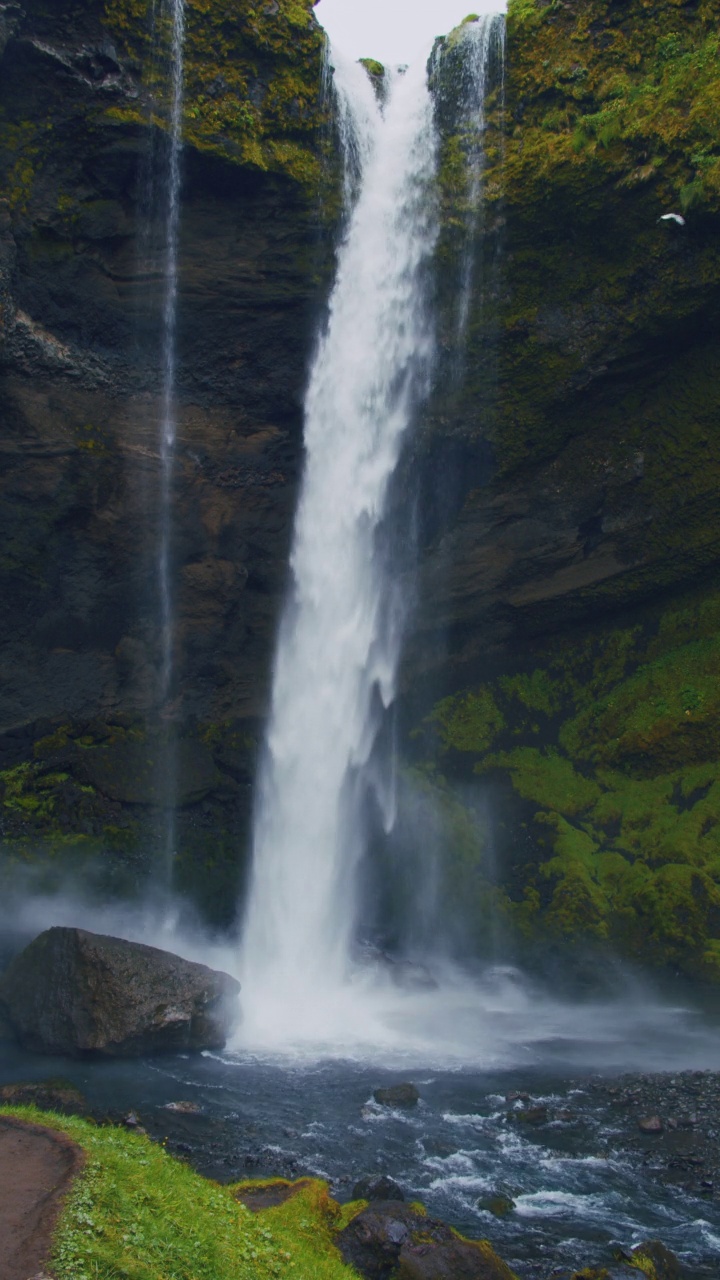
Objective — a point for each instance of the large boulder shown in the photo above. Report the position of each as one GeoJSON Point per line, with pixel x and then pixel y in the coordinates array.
{"type": "Point", "coordinates": [393, 1240]}
{"type": "Point", "coordinates": [74, 992]}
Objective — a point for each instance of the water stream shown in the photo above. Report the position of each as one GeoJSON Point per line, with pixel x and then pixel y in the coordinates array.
{"type": "Point", "coordinates": [341, 632]}
{"type": "Point", "coordinates": [481, 45]}
{"type": "Point", "coordinates": [168, 428]}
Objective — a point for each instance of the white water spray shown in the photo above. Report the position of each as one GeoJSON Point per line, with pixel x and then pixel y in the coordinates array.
{"type": "Point", "coordinates": [340, 637]}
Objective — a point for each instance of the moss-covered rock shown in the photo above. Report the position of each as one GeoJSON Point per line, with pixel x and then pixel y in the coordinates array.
{"type": "Point", "coordinates": [581, 415]}
{"type": "Point", "coordinates": [609, 747]}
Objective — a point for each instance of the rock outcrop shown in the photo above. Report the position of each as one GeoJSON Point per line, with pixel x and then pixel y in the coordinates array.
{"type": "Point", "coordinates": [83, 112]}
{"type": "Point", "coordinates": [390, 1239]}
{"type": "Point", "coordinates": [571, 569]}
{"type": "Point", "coordinates": [74, 992]}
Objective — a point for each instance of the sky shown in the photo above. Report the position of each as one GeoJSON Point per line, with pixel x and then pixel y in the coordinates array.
{"type": "Point", "coordinates": [394, 30]}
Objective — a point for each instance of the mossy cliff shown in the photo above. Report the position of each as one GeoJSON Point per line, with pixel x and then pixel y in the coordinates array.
{"type": "Point", "coordinates": [83, 163]}
{"type": "Point", "coordinates": [603, 760]}
{"type": "Point", "coordinates": [569, 604]}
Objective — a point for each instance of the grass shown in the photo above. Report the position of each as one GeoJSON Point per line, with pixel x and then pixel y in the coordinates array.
{"type": "Point", "coordinates": [136, 1213]}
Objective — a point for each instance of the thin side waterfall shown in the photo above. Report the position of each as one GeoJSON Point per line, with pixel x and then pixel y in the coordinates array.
{"type": "Point", "coordinates": [168, 416]}
{"type": "Point", "coordinates": [341, 633]}
{"type": "Point", "coordinates": [482, 48]}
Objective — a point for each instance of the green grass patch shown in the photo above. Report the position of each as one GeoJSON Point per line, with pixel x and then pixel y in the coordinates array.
{"type": "Point", "coordinates": [136, 1213]}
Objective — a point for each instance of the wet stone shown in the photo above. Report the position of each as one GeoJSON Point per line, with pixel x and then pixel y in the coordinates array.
{"type": "Point", "coordinates": [398, 1095]}
{"type": "Point", "coordinates": [650, 1124]}
{"type": "Point", "coordinates": [530, 1115]}
{"type": "Point", "coordinates": [377, 1189]}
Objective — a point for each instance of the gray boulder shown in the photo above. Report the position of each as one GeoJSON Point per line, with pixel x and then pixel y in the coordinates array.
{"type": "Point", "coordinates": [74, 992]}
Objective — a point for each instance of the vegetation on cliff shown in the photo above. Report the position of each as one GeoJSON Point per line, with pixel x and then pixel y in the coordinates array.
{"type": "Point", "coordinates": [607, 116]}
{"type": "Point", "coordinates": [588, 372]}
{"type": "Point", "coordinates": [609, 752]}
{"type": "Point", "coordinates": [253, 79]}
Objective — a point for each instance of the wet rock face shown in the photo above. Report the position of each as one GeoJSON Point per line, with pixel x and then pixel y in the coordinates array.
{"type": "Point", "coordinates": [390, 1239]}
{"type": "Point", "coordinates": [74, 992]}
{"type": "Point", "coordinates": [81, 263]}
{"type": "Point", "coordinates": [81, 296]}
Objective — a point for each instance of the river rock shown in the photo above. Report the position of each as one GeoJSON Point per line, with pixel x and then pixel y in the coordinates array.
{"type": "Point", "coordinates": [650, 1124]}
{"type": "Point", "coordinates": [383, 1188]}
{"type": "Point", "coordinates": [389, 1239]}
{"type": "Point", "coordinates": [398, 1095]}
{"type": "Point", "coordinates": [75, 992]}
{"type": "Point", "coordinates": [656, 1261]}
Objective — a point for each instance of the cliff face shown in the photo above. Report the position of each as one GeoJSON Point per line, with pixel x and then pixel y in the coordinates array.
{"type": "Point", "coordinates": [568, 462]}
{"type": "Point", "coordinates": [82, 142]}
{"type": "Point", "coordinates": [575, 585]}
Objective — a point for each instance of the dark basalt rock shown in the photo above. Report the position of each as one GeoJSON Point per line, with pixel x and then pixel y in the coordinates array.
{"type": "Point", "coordinates": [389, 1239]}
{"type": "Point", "coordinates": [458, 1260]}
{"type": "Point", "coordinates": [46, 1095]}
{"type": "Point", "coordinates": [131, 772]}
{"type": "Point", "coordinates": [75, 992]}
{"type": "Point", "coordinates": [398, 1095]}
{"type": "Point", "coordinates": [657, 1261]}
{"type": "Point", "coordinates": [377, 1189]}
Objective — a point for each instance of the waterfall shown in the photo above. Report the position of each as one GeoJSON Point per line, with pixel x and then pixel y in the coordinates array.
{"type": "Point", "coordinates": [481, 47]}
{"type": "Point", "coordinates": [340, 635]}
{"type": "Point", "coordinates": [168, 418]}
{"type": "Point", "coordinates": [168, 425]}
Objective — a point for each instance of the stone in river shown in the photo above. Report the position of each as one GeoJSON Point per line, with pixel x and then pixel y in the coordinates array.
{"type": "Point", "coordinates": [650, 1124]}
{"type": "Point", "coordinates": [383, 1188]}
{"type": "Point", "coordinates": [530, 1115]}
{"type": "Point", "coordinates": [656, 1261]}
{"type": "Point", "coordinates": [398, 1095]}
{"type": "Point", "coordinates": [389, 1239]}
{"type": "Point", "coordinates": [75, 992]}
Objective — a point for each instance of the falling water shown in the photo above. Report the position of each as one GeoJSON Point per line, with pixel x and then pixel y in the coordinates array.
{"type": "Point", "coordinates": [481, 47]}
{"type": "Point", "coordinates": [340, 637]}
{"type": "Point", "coordinates": [168, 425]}
{"type": "Point", "coordinates": [168, 417]}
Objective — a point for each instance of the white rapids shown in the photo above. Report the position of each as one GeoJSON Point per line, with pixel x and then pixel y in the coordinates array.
{"type": "Point", "coordinates": [341, 632]}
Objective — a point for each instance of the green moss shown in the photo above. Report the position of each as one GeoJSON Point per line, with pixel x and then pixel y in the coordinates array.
{"type": "Point", "coordinates": [611, 751]}
{"type": "Point", "coordinates": [253, 82]}
{"type": "Point", "coordinates": [136, 1212]}
{"type": "Point", "coordinates": [547, 778]}
{"type": "Point", "coordinates": [468, 721]}
{"type": "Point", "coordinates": [373, 67]}
{"type": "Point", "coordinates": [607, 118]}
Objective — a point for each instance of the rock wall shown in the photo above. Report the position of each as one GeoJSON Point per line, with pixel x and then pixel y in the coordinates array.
{"type": "Point", "coordinates": [562, 657]}
{"type": "Point", "coordinates": [83, 106]}
{"type": "Point", "coordinates": [573, 588]}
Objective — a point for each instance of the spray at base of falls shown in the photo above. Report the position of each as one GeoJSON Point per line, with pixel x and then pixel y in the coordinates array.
{"type": "Point", "coordinates": [341, 633]}
{"type": "Point", "coordinates": [168, 426]}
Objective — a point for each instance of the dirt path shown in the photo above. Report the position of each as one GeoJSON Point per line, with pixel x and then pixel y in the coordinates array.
{"type": "Point", "coordinates": [37, 1167]}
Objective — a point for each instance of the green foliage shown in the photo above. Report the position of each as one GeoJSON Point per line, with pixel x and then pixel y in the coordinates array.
{"type": "Point", "coordinates": [373, 67]}
{"type": "Point", "coordinates": [608, 117]}
{"type": "Point", "coordinates": [612, 752]}
{"type": "Point", "coordinates": [468, 721]}
{"type": "Point", "coordinates": [252, 81]}
{"type": "Point", "coordinates": [137, 1213]}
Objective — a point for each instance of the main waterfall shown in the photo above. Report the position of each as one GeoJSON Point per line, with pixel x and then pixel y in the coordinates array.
{"type": "Point", "coordinates": [340, 636]}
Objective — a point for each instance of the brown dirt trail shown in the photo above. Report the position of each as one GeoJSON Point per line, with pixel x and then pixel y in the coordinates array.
{"type": "Point", "coordinates": [37, 1166]}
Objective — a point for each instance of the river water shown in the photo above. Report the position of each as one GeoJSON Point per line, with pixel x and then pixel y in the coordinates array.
{"type": "Point", "coordinates": [583, 1180]}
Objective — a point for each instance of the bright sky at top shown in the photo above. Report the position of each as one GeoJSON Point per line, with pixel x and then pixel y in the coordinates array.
{"type": "Point", "coordinates": [394, 30]}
